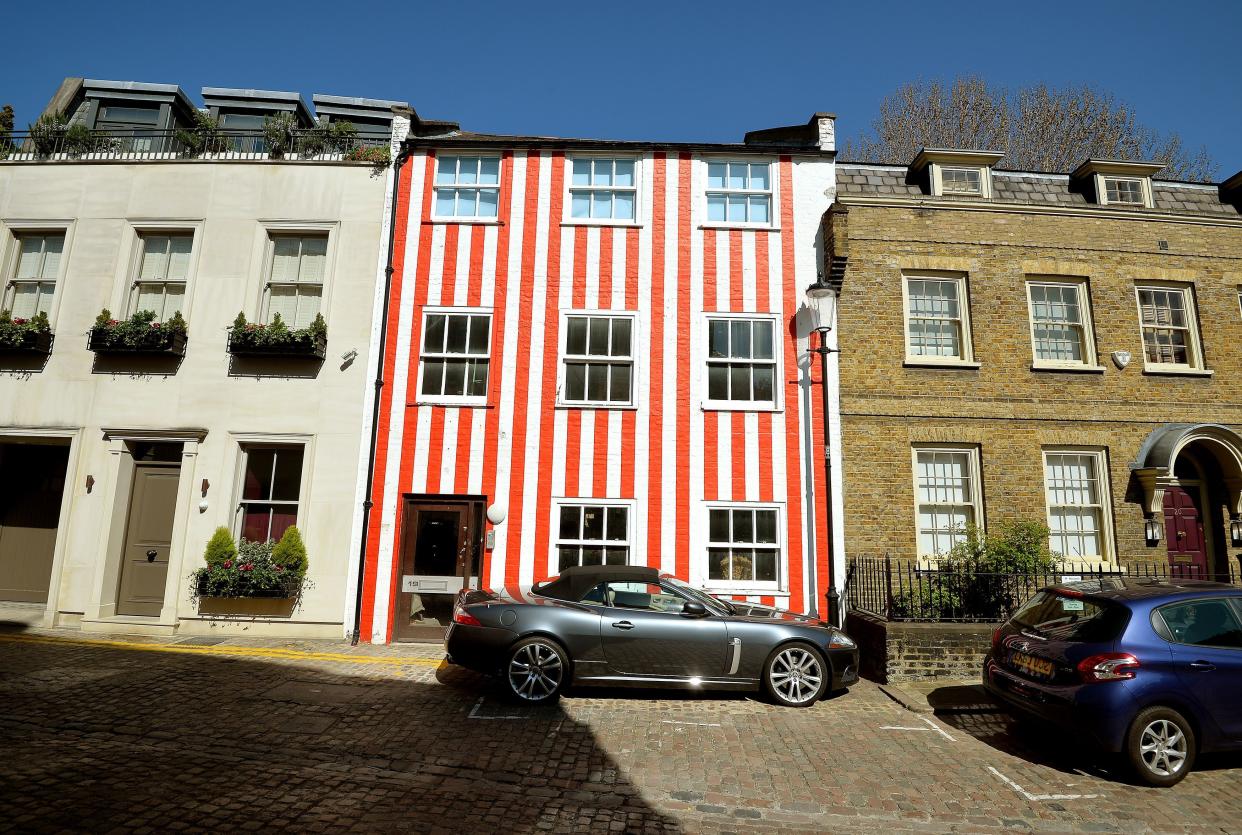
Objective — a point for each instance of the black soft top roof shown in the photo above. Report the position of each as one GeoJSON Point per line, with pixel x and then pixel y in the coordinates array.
{"type": "Point", "coordinates": [574, 582]}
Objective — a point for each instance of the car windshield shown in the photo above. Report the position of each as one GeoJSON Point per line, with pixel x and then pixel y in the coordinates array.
{"type": "Point", "coordinates": [1066, 617]}
{"type": "Point", "coordinates": [713, 604]}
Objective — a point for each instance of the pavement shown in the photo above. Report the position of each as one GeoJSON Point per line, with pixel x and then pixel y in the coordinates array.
{"type": "Point", "coordinates": [138, 734]}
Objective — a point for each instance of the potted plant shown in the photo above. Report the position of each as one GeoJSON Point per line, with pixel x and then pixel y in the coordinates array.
{"type": "Point", "coordinates": [325, 138]}
{"type": "Point", "coordinates": [271, 572]}
{"type": "Point", "coordinates": [278, 132]}
{"type": "Point", "coordinates": [277, 339]}
{"type": "Point", "coordinates": [25, 336]}
{"type": "Point", "coordinates": [202, 137]}
{"type": "Point", "coordinates": [139, 334]}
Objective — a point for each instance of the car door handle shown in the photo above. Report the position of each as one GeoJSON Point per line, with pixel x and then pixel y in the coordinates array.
{"type": "Point", "coordinates": [1202, 666]}
{"type": "Point", "coordinates": [622, 624]}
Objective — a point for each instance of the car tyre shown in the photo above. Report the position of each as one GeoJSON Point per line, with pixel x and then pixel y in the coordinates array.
{"type": "Point", "coordinates": [1160, 746]}
{"type": "Point", "coordinates": [536, 671]}
{"type": "Point", "coordinates": [796, 675]}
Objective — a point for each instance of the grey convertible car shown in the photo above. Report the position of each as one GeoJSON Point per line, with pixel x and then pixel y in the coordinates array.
{"type": "Point", "coordinates": [631, 625]}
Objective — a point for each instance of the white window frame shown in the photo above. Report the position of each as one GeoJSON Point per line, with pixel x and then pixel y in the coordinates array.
{"type": "Point", "coordinates": [1144, 184]}
{"type": "Point", "coordinates": [247, 442]}
{"type": "Point", "coordinates": [967, 358]}
{"type": "Point", "coordinates": [453, 399]}
{"type": "Point", "coordinates": [777, 586]}
{"type": "Point", "coordinates": [770, 193]}
{"type": "Point", "coordinates": [559, 502]}
{"type": "Point", "coordinates": [135, 273]}
{"type": "Point", "coordinates": [8, 293]}
{"type": "Point", "coordinates": [776, 362]}
{"type": "Point", "coordinates": [1194, 348]}
{"type": "Point", "coordinates": [938, 180]}
{"type": "Point", "coordinates": [566, 358]}
{"type": "Point", "coordinates": [569, 189]}
{"type": "Point", "coordinates": [458, 187]}
{"type": "Point", "coordinates": [1099, 459]}
{"type": "Point", "coordinates": [975, 472]}
{"type": "Point", "coordinates": [272, 231]}
{"type": "Point", "coordinates": [1083, 289]}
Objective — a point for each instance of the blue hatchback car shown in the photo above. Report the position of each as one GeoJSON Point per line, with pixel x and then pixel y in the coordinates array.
{"type": "Point", "coordinates": [1148, 669]}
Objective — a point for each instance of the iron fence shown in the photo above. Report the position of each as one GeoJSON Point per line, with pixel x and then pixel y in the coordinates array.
{"type": "Point", "coordinates": [144, 144]}
{"type": "Point", "coordinates": [922, 591]}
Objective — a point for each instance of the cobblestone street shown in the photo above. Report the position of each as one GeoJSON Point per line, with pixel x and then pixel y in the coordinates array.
{"type": "Point", "coordinates": [191, 734]}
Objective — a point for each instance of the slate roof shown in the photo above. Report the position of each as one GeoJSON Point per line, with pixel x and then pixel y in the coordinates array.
{"type": "Point", "coordinates": [862, 180]}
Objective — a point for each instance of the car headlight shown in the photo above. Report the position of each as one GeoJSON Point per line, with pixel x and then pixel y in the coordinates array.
{"type": "Point", "coordinates": [840, 640]}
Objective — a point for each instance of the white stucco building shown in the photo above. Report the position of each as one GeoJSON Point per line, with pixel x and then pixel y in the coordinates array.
{"type": "Point", "coordinates": [116, 467]}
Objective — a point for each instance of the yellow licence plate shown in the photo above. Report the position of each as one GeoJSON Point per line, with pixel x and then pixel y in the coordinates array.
{"type": "Point", "coordinates": [1029, 664]}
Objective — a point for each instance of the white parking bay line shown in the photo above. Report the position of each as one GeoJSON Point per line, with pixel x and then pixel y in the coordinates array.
{"type": "Point", "coordinates": [686, 722]}
{"type": "Point", "coordinates": [474, 712]}
{"type": "Point", "coordinates": [1030, 796]}
{"type": "Point", "coordinates": [935, 727]}
{"type": "Point", "coordinates": [901, 728]}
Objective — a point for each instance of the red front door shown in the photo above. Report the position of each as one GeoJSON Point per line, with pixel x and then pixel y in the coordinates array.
{"type": "Point", "coordinates": [1183, 531]}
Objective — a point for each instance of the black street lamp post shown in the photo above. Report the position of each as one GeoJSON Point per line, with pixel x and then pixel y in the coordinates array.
{"type": "Point", "coordinates": [821, 301]}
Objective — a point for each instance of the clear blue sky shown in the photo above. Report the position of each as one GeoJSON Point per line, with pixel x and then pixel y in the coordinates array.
{"type": "Point", "coordinates": [646, 70]}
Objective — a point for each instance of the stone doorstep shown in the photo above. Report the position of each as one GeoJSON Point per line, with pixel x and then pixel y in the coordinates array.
{"type": "Point", "coordinates": [941, 696]}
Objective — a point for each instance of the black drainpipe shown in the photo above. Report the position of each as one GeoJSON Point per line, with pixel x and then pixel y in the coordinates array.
{"type": "Point", "coordinates": [379, 386]}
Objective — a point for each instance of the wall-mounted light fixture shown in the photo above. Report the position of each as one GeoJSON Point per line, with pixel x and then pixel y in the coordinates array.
{"type": "Point", "coordinates": [206, 484]}
{"type": "Point", "coordinates": [90, 482]}
{"type": "Point", "coordinates": [1235, 531]}
{"type": "Point", "coordinates": [1152, 531]}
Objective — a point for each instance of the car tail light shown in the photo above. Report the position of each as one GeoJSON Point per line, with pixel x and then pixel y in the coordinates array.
{"type": "Point", "coordinates": [465, 618]}
{"type": "Point", "coordinates": [1108, 666]}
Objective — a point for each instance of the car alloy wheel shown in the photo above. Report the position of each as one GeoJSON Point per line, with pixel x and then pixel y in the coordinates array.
{"type": "Point", "coordinates": [1163, 747]}
{"type": "Point", "coordinates": [1160, 746]}
{"type": "Point", "coordinates": [535, 671]}
{"type": "Point", "coordinates": [795, 675]}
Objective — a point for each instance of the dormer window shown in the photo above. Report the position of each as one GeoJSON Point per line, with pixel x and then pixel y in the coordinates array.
{"type": "Point", "coordinates": [1111, 182]}
{"type": "Point", "coordinates": [947, 172]}
{"type": "Point", "coordinates": [955, 180]}
{"type": "Point", "coordinates": [1124, 191]}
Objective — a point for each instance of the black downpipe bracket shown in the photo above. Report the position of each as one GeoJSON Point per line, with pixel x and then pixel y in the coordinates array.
{"type": "Point", "coordinates": [379, 387]}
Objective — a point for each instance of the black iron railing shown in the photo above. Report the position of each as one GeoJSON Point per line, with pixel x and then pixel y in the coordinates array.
{"type": "Point", "coordinates": [143, 144]}
{"type": "Point", "coordinates": [913, 590]}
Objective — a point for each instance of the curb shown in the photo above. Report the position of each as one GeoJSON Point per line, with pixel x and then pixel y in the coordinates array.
{"type": "Point", "coordinates": [959, 699]}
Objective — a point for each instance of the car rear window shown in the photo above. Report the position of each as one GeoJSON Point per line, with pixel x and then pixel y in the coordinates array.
{"type": "Point", "coordinates": [1065, 617]}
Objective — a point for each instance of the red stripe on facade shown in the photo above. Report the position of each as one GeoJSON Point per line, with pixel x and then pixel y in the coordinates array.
{"type": "Point", "coordinates": [629, 420]}
{"type": "Point", "coordinates": [763, 304]}
{"type": "Point", "coordinates": [496, 366]}
{"type": "Point", "coordinates": [461, 463]}
{"type": "Point", "coordinates": [435, 432]}
{"type": "Point", "coordinates": [793, 447]}
{"type": "Point", "coordinates": [737, 276]}
{"type": "Point", "coordinates": [767, 600]}
{"type": "Point", "coordinates": [388, 361]}
{"type": "Point", "coordinates": [737, 454]}
{"type": "Point", "coordinates": [711, 456]}
{"type": "Point", "coordinates": [709, 270]}
{"type": "Point", "coordinates": [474, 289]}
{"type": "Point", "coordinates": [547, 383]}
{"type": "Point", "coordinates": [655, 401]}
{"type": "Point", "coordinates": [763, 281]}
{"type": "Point", "coordinates": [521, 374]}
{"type": "Point", "coordinates": [684, 232]}
{"type": "Point", "coordinates": [766, 488]}
{"type": "Point", "coordinates": [573, 419]}
{"type": "Point", "coordinates": [599, 452]}
{"type": "Point", "coordinates": [604, 298]}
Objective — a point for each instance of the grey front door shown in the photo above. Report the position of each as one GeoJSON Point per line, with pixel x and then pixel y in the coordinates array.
{"type": "Point", "coordinates": [148, 534]}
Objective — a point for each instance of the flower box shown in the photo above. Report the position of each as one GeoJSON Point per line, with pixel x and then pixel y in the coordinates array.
{"type": "Point", "coordinates": [298, 345]}
{"type": "Point", "coordinates": [287, 589]}
{"type": "Point", "coordinates": [104, 340]}
{"type": "Point", "coordinates": [27, 342]}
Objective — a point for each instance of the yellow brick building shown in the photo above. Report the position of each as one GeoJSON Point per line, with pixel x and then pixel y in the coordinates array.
{"type": "Point", "coordinates": [1035, 346]}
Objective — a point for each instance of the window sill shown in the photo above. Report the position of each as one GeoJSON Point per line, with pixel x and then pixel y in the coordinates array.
{"type": "Point", "coordinates": [452, 404]}
{"type": "Point", "coordinates": [463, 221]}
{"type": "Point", "coordinates": [716, 406]}
{"type": "Point", "coordinates": [624, 224]}
{"type": "Point", "coordinates": [959, 365]}
{"type": "Point", "coordinates": [1068, 369]}
{"type": "Point", "coordinates": [743, 227]}
{"type": "Point", "coordinates": [1179, 372]}
{"type": "Point", "coordinates": [726, 591]}
{"type": "Point", "coordinates": [598, 407]}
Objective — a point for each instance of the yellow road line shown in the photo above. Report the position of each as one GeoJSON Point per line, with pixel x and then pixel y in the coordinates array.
{"type": "Point", "coordinates": [247, 652]}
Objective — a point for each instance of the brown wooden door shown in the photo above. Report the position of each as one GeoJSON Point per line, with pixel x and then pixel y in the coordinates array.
{"type": "Point", "coordinates": [148, 535]}
{"type": "Point", "coordinates": [32, 482]}
{"type": "Point", "coordinates": [438, 544]}
{"type": "Point", "coordinates": [1183, 531]}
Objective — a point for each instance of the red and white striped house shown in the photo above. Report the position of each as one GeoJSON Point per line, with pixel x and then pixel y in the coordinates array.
{"type": "Point", "coordinates": [590, 354]}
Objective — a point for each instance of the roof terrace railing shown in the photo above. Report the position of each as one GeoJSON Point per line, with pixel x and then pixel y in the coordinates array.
{"type": "Point", "coordinates": [145, 144]}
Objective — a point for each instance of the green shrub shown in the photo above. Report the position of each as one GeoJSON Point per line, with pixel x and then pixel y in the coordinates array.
{"type": "Point", "coordinates": [290, 552]}
{"type": "Point", "coordinates": [220, 548]}
{"type": "Point", "coordinates": [13, 332]}
{"type": "Point", "coordinates": [202, 137]}
{"type": "Point", "coordinates": [48, 132]}
{"type": "Point", "coordinates": [326, 138]}
{"type": "Point", "coordinates": [252, 573]}
{"type": "Point", "coordinates": [138, 331]}
{"type": "Point", "coordinates": [278, 131]}
{"type": "Point", "coordinates": [276, 333]}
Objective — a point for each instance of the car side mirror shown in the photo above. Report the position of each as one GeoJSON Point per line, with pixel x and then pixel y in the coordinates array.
{"type": "Point", "coordinates": [691, 609]}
